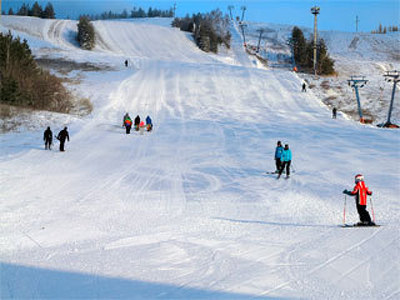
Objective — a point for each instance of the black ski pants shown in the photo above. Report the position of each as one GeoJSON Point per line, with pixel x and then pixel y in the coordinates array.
{"type": "Point", "coordinates": [287, 165]}
{"type": "Point", "coordinates": [62, 143]}
{"type": "Point", "coordinates": [128, 129]}
{"type": "Point", "coordinates": [364, 214]}
{"type": "Point", "coordinates": [278, 164]}
{"type": "Point", "coordinates": [47, 144]}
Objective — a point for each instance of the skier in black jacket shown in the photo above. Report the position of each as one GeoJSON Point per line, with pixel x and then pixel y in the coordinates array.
{"type": "Point", "coordinates": [137, 122]}
{"type": "Point", "coordinates": [48, 138]}
{"type": "Point", "coordinates": [62, 135]}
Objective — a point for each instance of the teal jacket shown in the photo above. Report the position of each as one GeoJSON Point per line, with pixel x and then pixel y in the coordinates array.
{"type": "Point", "coordinates": [286, 155]}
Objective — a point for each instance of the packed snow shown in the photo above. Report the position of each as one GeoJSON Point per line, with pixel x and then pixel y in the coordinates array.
{"type": "Point", "coordinates": [355, 54]}
{"type": "Point", "coordinates": [188, 210]}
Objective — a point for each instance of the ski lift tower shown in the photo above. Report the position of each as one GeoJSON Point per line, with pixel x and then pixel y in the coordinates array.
{"type": "Point", "coordinates": [389, 77]}
{"type": "Point", "coordinates": [242, 27]}
{"type": "Point", "coordinates": [315, 12]}
{"type": "Point", "coordinates": [243, 8]}
{"type": "Point", "coordinates": [261, 31]}
{"type": "Point", "coordinates": [358, 82]}
{"type": "Point", "coordinates": [230, 7]}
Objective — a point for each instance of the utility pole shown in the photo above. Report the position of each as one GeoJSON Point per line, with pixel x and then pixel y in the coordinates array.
{"type": "Point", "coordinates": [357, 21]}
{"type": "Point", "coordinates": [315, 12]}
{"type": "Point", "coordinates": [230, 7]}
{"type": "Point", "coordinates": [243, 8]}
{"type": "Point", "coordinates": [261, 31]}
{"type": "Point", "coordinates": [358, 82]}
{"type": "Point", "coordinates": [389, 77]}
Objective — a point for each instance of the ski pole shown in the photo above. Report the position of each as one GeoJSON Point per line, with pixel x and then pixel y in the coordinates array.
{"type": "Point", "coordinates": [291, 165]}
{"type": "Point", "coordinates": [344, 210]}
{"type": "Point", "coordinates": [372, 209]}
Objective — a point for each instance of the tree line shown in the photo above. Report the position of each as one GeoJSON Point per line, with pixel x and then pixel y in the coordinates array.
{"type": "Point", "coordinates": [209, 29]}
{"type": "Point", "coordinates": [35, 11]}
{"type": "Point", "coordinates": [383, 29]}
{"type": "Point", "coordinates": [303, 52]}
{"type": "Point", "coordinates": [134, 13]}
{"type": "Point", "coordinates": [24, 83]}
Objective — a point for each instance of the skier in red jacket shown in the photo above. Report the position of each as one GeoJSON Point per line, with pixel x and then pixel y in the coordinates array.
{"type": "Point", "coordinates": [361, 191]}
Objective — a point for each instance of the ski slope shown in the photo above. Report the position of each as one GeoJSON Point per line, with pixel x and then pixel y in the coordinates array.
{"type": "Point", "coordinates": [354, 54]}
{"type": "Point", "coordinates": [187, 211]}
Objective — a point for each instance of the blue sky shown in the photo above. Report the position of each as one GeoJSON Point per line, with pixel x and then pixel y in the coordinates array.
{"type": "Point", "coordinates": [335, 14]}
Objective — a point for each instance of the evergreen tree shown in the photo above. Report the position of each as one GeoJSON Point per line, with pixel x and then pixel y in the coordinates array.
{"type": "Point", "coordinates": [299, 46]}
{"type": "Point", "coordinates": [9, 91]}
{"type": "Point", "coordinates": [24, 10]}
{"type": "Point", "coordinates": [210, 30]}
{"type": "Point", "coordinates": [23, 82]}
{"type": "Point", "coordinates": [36, 10]}
{"type": "Point", "coordinates": [48, 12]}
{"type": "Point", "coordinates": [124, 14]}
{"type": "Point", "coordinates": [325, 63]}
{"type": "Point", "coordinates": [86, 34]}
{"type": "Point", "coordinates": [10, 12]}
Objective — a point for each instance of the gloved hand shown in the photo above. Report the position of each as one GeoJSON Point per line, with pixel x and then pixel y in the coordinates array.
{"type": "Point", "coordinates": [345, 192]}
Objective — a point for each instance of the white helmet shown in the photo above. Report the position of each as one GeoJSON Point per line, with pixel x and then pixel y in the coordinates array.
{"type": "Point", "coordinates": [359, 177]}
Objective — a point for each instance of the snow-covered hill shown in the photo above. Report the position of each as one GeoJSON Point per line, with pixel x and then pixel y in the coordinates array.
{"type": "Point", "coordinates": [187, 211]}
{"type": "Point", "coordinates": [366, 54]}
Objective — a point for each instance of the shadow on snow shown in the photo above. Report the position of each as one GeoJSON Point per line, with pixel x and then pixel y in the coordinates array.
{"type": "Point", "coordinates": [32, 282]}
{"type": "Point", "coordinates": [273, 223]}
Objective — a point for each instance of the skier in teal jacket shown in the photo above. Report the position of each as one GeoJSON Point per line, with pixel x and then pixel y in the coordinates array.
{"type": "Point", "coordinates": [286, 159]}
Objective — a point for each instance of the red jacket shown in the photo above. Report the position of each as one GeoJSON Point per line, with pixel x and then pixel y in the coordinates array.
{"type": "Point", "coordinates": [361, 192]}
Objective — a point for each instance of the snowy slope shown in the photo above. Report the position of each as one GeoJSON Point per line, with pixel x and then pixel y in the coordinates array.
{"type": "Point", "coordinates": [369, 55]}
{"type": "Point", "coordinates": [187, 211]}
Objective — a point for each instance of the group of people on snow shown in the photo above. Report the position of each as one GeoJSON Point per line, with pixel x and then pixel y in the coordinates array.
{"type": "Point", "coordinates": [283, 159]}
{"type": "Point", "coordinates": [62, 136]}
{"type": "Point", "coordinates": [138, 124]}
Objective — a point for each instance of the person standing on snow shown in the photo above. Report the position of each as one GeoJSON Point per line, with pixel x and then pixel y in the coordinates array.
{"type": "Point", "coordinates": [304, 87]}
{"type": "Point", "coordinates": [278, 154]}
{"type": "Point", "coordinates": [361, 191]}
{"type": "Point", "coordinates": [149, 124]}
{"type": "Point", "coordinates": [334, 113]}
{"type": "Point", "coordinates": [286, 159]}
{"type": "Point", "coordinates": [48, 138]}
{"type": "Point", "coordinates": [62, 136]}
{"type": "Point", "coordinates": [127, 122]}
{"type": "Point", "coordinates": [137, 122]}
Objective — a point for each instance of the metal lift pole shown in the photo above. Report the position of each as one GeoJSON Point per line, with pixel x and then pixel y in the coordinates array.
{"type": "Point", "coordinates": [394, 75]}
{"type": "Point", "coordinates": [358, 82]}
{"type": "Point", "coordinates": [358, 103]}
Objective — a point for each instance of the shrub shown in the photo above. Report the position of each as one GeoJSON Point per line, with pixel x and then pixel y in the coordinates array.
{"type": "Point", "coordinates": [23, 83]}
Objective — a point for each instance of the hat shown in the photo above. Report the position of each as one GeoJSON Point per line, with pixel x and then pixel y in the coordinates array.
{"type": "Point", "coordinates": [359, 177]}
